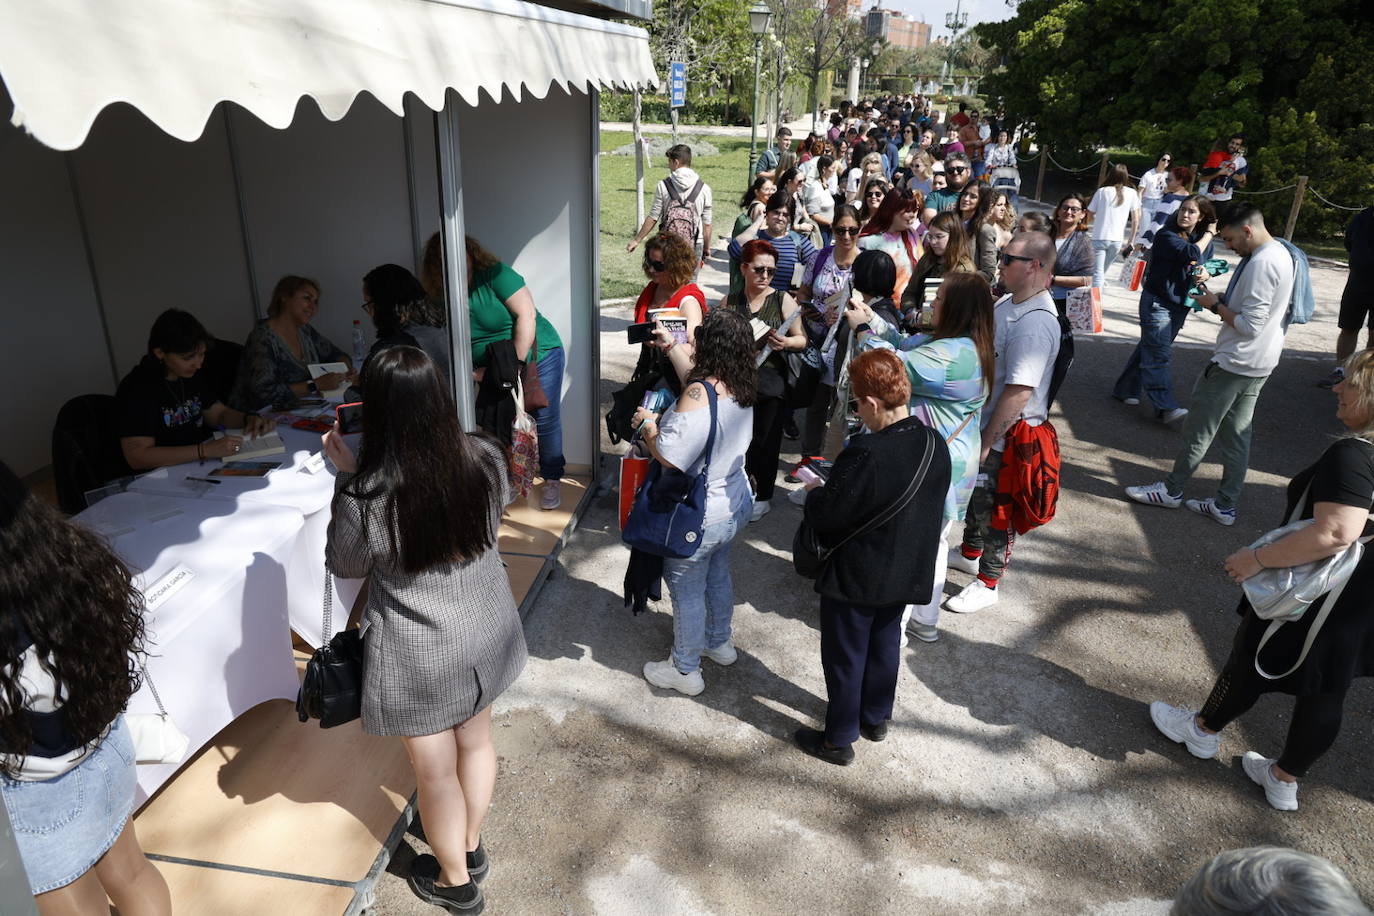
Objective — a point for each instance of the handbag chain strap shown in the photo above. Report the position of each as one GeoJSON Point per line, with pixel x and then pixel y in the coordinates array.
{"type": "Point", "coordinates": [891, 511]}
{"type": "Point", "coordinates": [152, 688]}
{"type": "Point", "coordinates": [328, 630]}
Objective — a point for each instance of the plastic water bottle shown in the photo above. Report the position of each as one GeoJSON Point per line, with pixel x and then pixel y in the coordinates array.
{"type": "Point", "coordinates": [359, 345]}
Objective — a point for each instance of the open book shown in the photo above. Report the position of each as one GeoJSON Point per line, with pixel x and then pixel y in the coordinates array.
{"type": "Point", "coordinates": [319, 369]}
{"type": "Point", "coordinates": [255, 447]}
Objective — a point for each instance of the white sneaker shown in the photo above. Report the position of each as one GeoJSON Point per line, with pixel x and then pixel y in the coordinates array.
{"type": "Point", "coordinates": [1282, 795]}
{"type": "Point", "coordinates": [958, 561]}
{"type": "Point", "coordinates": [798, 496]}
{"type": "Point", "coordinates": [1208, 507]}
{"type": "Point", "coordinates": [665, 674]}
{"type": "Point", "coordinates": [1177, 415]}
{"type": "Point", "coordinates": [761, 508]}
{"type": "Point", "coordinates": [1179, 724]}
{"type": "Point", "coordinates": [925, 632]}
{"type": "Point", "coordinates": [724, 654]}
{"type": "Point", "coordinates": [974, 597]}
{"type": "Point", "coordinates": [1155, 494]}
{"type": "Point", "coordinates": [552, 496]}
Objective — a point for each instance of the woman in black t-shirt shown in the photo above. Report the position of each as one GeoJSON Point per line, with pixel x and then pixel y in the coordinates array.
{"type": "Point", "coordinates": [1337, 492]}
{"type": "Point", "coordinates": [166, 407]}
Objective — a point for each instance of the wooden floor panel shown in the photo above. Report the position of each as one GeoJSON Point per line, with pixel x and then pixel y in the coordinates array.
{"type": "Point", "coordinates": [268, 790]}
{"type": "Point", "coordinates": [528, 529]}
{"type": "Point", "coordinates": [198, 891]}
{"type": "Point", "coordinates": [522, 572]}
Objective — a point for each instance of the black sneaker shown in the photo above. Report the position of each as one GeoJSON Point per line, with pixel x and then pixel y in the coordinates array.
{"type": "Point", "coordinates": [789, 428]}
{"type": "Point", "coordinates": [874, 733]}
{"type": "Point", "coordinates": [466, 898]}
{"type": "Point", "coordinates": [478, 863]}
{"type": "Point", "coordinates": [813, 742]}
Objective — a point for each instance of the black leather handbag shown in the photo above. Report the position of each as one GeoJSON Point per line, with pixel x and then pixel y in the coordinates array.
{"type": "Point", "coordinates": [332, 689]}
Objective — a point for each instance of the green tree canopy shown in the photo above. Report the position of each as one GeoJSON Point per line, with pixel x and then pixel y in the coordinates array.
{"type": "Point", "coordinates": [1296, 77]}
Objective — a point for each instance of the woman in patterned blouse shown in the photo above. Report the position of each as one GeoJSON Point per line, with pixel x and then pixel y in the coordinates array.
{"type": "Point", "coordinates": [276, 359]}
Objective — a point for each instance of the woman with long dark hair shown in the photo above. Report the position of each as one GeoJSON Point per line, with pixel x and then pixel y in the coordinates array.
{"type": "Point", "coordinates": [947, 250]}
{"type": "Point", "coordinates": [700, 585]}
{"type": "Point", "coordinates": [773, 307]}
{"type": "Point", "coordinates": [71, 625]}
{"type": "Point", "coordinates": [417, 512]}
{"type": "Point", "coordinates": [874, 192]}
{"type": "Point", "coordinates": [1112, 205]}
{"type": "Point", "coordinates": [950, 370]}
{"type": "Point", "coordinates": [1073, 262]}
{"type": "Point", "coordinates": [1175, 264]}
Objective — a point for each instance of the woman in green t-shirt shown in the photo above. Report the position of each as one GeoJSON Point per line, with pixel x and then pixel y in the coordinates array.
{"type": "Point", "coordinates": [500, 307]}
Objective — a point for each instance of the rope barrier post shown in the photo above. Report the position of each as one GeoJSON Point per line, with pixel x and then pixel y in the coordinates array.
{"type": "Point", "coordinates": [1297, 205]}
{"type": "Point", "coordinates": [1102, 170]}
{"type": "Point", "coordinates": [1040, 179]}
{"type": "Point", "coordinates": [1192, 182]}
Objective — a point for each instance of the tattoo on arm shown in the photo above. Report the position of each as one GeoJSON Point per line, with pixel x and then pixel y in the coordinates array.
{"type": "Point", "coordinates": [694, 393]}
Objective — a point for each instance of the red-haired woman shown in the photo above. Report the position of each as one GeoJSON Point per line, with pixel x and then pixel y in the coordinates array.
{"type": "Point", "coordinates": [759, 264]}
{"type": "Point", "coordinates": [863, 592]}
{"type": "Point", "coordinates": [896, 228]}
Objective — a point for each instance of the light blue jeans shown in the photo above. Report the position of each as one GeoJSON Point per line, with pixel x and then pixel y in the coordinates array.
{"type": "Point", "coordinates": [703, 594]}
{"type": "Point", "coordinates": [1101, 251]}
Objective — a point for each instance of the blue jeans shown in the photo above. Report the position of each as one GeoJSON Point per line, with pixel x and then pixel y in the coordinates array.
{"type": "Point", "coordinates": [1148, 368]}
{"type": "Point", "coordinates": [703, 595]}
{"type": "Point", "coordinates": [548, 421]}
{"type": "Point", "coordinates": [1100, 252]}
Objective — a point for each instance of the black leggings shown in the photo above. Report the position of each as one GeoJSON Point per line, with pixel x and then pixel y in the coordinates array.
{"type": "Point", "coordinates": [762, 458]}
{"type": "Point", "coordinates": [1311, 732]}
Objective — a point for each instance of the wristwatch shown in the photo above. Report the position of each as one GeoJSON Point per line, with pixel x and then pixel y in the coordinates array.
{"type": "Point", "coordinates": [311, 387]}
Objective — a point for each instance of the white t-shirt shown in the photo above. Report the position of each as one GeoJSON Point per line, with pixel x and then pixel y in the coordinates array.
{"type": "Point", "coordinates": [1109, 217]}
{"type": "Point", "coordinates": [1152, 184]}
{"type": "Point", "coordinates": [1026, 340]}
{"type": "Point", "coordinates": [817, 199]}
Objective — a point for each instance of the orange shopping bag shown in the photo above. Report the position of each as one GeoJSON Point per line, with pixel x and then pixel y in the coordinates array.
{"type": "Point", "coordinates": [633, 470]}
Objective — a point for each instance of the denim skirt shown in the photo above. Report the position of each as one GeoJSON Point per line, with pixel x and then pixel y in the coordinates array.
{"type": "Point", "coordinates": [65, 824]}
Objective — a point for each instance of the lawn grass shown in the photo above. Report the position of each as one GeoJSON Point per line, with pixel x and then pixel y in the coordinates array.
{"type": "Point", "coordinates": [725, 172]}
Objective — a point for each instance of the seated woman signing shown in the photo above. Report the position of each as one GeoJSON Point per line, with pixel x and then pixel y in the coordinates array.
{"type": "Point", "coordinates": [166, 410]}
{"type": "Point", "coordinates": [276, 362]}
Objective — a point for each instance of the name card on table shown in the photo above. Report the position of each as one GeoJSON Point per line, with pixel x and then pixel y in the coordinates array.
{"type": "Point", "coordinates": [314, 464]}
{"type": "Point", "coordinates": [155, 595]}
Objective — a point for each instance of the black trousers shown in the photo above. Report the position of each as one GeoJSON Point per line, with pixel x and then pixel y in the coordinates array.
{"type": "Point", "coordinates": [1313, 729]}
{"type": "Point", "coordinates": [860, 653]}
{"type": "Point", "coordinates": [761, 461]}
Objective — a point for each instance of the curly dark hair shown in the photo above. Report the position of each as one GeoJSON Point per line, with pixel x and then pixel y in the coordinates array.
{"type": "Point", "coordinates": [64, 587]}
{"type": "Point", "coordinates": [677, 255]}
{"type": "Point", "coordinates": [725, 351]}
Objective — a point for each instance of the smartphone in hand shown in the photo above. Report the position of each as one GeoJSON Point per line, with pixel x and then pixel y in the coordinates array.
{"type": "Point", "coordinates": [350, 417]}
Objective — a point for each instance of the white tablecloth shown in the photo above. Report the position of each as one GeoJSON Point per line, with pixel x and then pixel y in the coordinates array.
{"type": "Point", "coordinates": [288, 486]}
{"type": "Point", "coordinates": [219, 646]}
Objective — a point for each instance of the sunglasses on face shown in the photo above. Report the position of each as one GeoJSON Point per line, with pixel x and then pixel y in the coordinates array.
{"type": "Point", "coordinates": [1008, 258]}
{"type": "Point", "coordinates": [657, 265]}
{"type": "Point", "coordinates": [1072, 209]}
{"type": "Point", "coordinates": [846, 230]}
{"type": "Point", "coordinates": [956, 169]}
{"type": "Point", "coordinates": [874, 194]}
{"type": "Point", "coordinates": [763, 272]}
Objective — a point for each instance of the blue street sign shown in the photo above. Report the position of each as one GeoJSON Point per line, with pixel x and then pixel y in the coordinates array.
{"type": "Point", "coordinates": [677, 84]}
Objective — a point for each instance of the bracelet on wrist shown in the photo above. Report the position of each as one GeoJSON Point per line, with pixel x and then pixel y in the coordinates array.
{"type": "Point", "coordinates": [1258, 562]}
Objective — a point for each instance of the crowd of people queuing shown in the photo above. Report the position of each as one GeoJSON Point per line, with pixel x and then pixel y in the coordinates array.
{"type": "Point", "coordinates": [884, 287]}
{"type": "Point", "coordinates": [928, 309]}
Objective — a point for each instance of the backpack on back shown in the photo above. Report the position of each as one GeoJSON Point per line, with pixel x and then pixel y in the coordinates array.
{"type": "Point", "coordinates": [680, 214]}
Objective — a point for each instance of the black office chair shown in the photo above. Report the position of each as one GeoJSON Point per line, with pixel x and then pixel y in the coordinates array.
{"type": "Point", "coordinates": [85, 449]}
{"type": "Point", "coordinates": [221, 369]}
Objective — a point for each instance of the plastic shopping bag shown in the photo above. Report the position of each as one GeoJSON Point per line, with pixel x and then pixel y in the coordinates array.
{"type": "Point", "coordinates": [1085, 310]}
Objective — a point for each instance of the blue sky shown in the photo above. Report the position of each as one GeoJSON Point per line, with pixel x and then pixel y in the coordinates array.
{"type": "Point", "coordinates": [933, 11]}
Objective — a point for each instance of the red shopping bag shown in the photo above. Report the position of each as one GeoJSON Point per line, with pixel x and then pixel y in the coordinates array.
{"type": "Point", "coordinates": [1137, 274]}
{"type": "Point", "coordinates": [633, 470]}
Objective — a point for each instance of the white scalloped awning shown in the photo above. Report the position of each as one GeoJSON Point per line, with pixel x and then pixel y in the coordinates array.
{"type": "Point", "coordinates": [63, 61]}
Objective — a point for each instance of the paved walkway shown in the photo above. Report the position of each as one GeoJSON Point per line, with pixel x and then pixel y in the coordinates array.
{"type": "Point", "coordinates": [1022, 774]}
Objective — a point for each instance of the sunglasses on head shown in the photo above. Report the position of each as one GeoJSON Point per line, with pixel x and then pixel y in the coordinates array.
{"type": "Point", "coordinates": [657, 265]}
{"type": "Point", "coordinates": [762, 271]}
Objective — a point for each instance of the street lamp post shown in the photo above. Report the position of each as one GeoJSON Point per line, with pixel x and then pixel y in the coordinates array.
{"type": "Point", "coordinates": [759, 17]}
{"type": "Point", "coordinates": [955, 22]}
{"type": "Point", "coordinates": [863, 77]}
{"type": "Point", "coordinates": [875, 48]}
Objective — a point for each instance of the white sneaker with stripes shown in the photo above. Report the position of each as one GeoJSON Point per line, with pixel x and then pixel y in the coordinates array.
{"type": "Point", "coordinates": [1155, 494]}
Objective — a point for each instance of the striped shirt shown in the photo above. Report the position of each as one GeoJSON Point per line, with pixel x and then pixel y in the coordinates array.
{"type": "Point", "coordinates": [792, 248]}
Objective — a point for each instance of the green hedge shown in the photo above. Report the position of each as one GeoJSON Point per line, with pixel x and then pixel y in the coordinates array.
{"type": "Point", "coordinates": [619, 106]}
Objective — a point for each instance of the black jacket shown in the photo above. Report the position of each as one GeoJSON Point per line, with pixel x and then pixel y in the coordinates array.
{"type": "Point", "coordinates": [895, 562]}
{"type": "Point", "coordinates": [495, 409]}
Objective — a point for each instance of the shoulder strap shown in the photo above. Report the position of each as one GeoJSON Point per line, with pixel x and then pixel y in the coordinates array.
{"type": "Point", "coordinates": [955, 435]}
{"type": "Point", "coordinates": [711, 435]}
{"type": "Point", "coordinates": [696, 189]}
{"type": "Point", "coordinates": [671, 187]}
{"type": "Point", "coordinates": [910, 253]}
{"type": "Point", "coordinates": [891, 511]}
